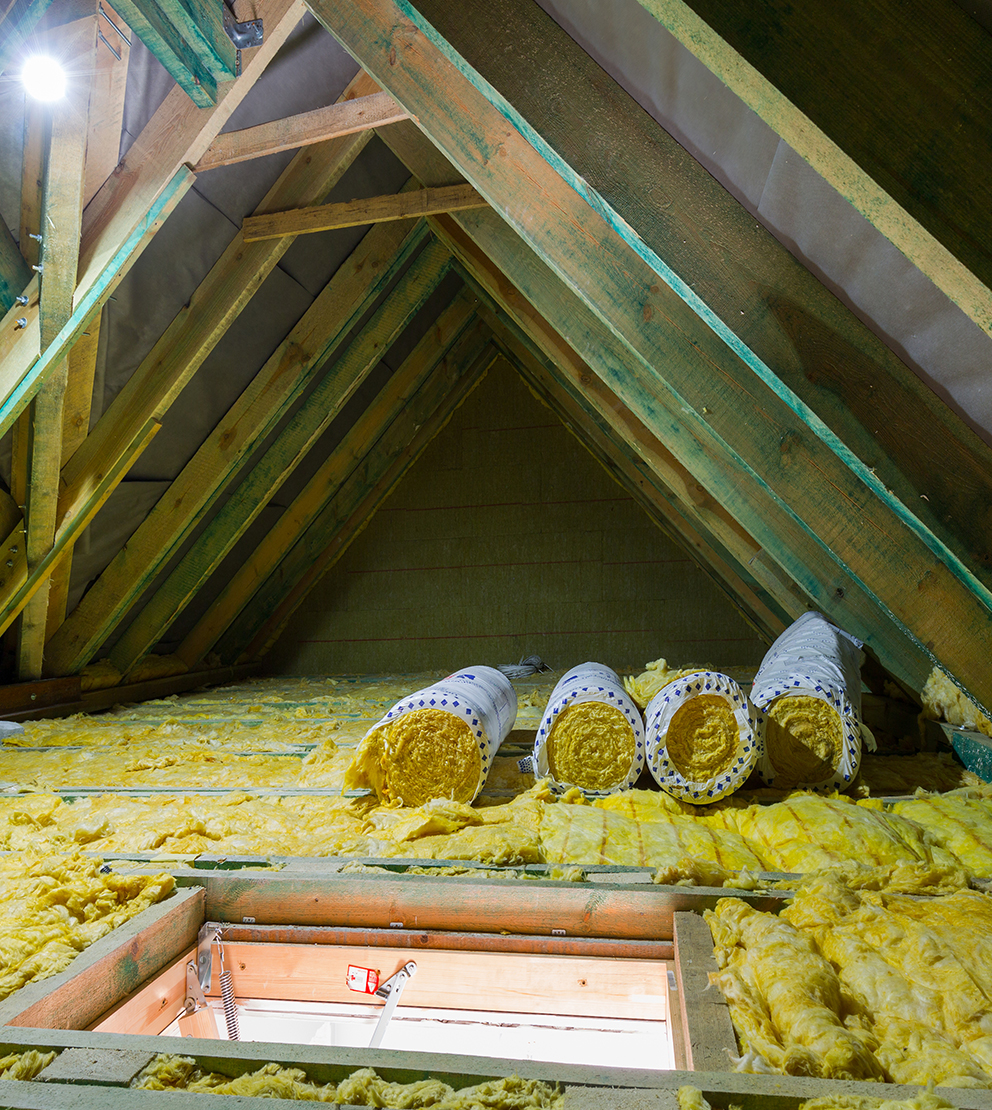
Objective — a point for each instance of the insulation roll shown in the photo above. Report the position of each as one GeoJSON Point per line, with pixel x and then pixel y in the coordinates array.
{"type": "Point", "coordinates": [702, 737]}
{"type": "Point", "coordinates": [809, 688]}
{"type": "Point", "coordinates": [438, 742]}
{"type": "Point", "coordinates": [591, 735]}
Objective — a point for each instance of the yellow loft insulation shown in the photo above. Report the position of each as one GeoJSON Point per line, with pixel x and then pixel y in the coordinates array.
{"type": "Point", "coordinates": [702, 738]}
{"type": "Point", "coordinates": [803, 739]}
{"type": "Point", "coordinates": [943, 699]}
{"type": "Point", "coordinates": [849, 984]}
{"type": "Point", "coordinates": [691, 1098]}
{"type": "Point", "coordinates": [424, 754]}
{"type": "Point", "coordinates": [591, 746]}
{"type": "Point", "coordinates": [361, 1088]}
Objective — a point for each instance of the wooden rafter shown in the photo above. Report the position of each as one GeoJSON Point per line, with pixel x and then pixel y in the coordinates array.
{"type": "Point", "coordinates": [350, 293]}
{"type": "Point", "coordinates": [333, 122]}
{"type": "Point", "coordinates": [14, 271]}
{"type": "Point", "coordinates": [674, 357]}
{"type": "Point", "coordinates": [802, 557]}
{"type": "Point", "coordinates": [338, 384]}
{"type": "Point", "coordinates": [892, 106]}
{"type": "Point", "coordinates": [356, 213]}
{"type": "Point", "coordinates": [447, 339]}
{"type": "Point", "coordinates": [355, 501]}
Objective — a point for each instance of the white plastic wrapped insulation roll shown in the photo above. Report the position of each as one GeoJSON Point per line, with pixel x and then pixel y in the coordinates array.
{"type": "Point", "coordinates": [702, 737]}
{"type": "Point", "coordinates": [591, 735]}
{"type": "Point", "coordinates": [438, 742]}
{"type": "Point", "coordinates": [809, 688]}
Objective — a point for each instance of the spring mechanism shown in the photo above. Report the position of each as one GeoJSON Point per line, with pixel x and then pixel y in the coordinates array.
{"type": "Point", "coordinates": [230, 1006]}
{"type": "Point", "coordinates": [227, 997]}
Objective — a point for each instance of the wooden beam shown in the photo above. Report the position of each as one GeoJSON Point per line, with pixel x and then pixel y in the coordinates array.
{"type": "Point", "coordinates": [892, 107]}
{"type": "Point", "coordinates": [15, 274]}
{"type": "Point", "coordinates": [933, 597]}
{"type": "Point", "coordinates": [355, 213]}
{"type": "Point", "coordinates": [336, 120]}
{"type": "Point", "coordinates": [128, 204]}
{"type": "Point", "coordinates": [350, 293]}
{"type": "Point", "coordinates": [352, 506]}
{"type": "Point", "coordinates": [394, 398]}
{"type": "Point", "coordinates": [16, 24]}
{"type": "Point", "coordinates": [790, 329]}
{"type": "Point", "coordinates": [710, 1040]}
{"type": "Point", "coordinates": [800, 555]}
{"type": "Point", "coordinates": [61, 215]}
{"type": "Point", "coordinates": [338, 384]}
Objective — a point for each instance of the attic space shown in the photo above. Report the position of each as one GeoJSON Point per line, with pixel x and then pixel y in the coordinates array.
{"type": "Point", "coordinates": [496, 569]}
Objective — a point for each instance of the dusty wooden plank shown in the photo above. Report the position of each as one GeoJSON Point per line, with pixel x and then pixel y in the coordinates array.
{"type": "Point", "coordinates": [183, 57]}
{"type": "Point", "coordinates": [202, 25]}
{"type": "Point", "coordinates": [336, 120]}
{"type": "Point", "coordinates": [107, 87]}
{"type": "Point", "coordinates": [37, 695]}
{"type": "Point", "coordinates": [395, 395]}
{"type": "Point", "coordinates": [255, 490]}
{"type": "Point", "coordinates": [349, 510]}
{"type": "Point", "coordinates": [820, 351]}
{"type": "Point", "coordinates": [709, 1033]}
{"type": "Point", "coordinates": [891, 106]}
{"type": "Point", "coordinates": [354, 213]}
{"type": "Point", "coordinates": [15, 274]}
{"type": "Point", "coordinates": [106, 1067]}
{"type": "Point", "coordinates": [110, 967]}
{"type": "Point", "coordinates": [351, 292]}
{"type": "Point", "coordinates": [820, 485]}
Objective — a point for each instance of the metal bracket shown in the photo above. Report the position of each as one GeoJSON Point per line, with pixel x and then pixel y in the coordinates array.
{"type": "Point", "coordinates": [391, 990]}
{"type": "Point", "coordinates": [195, 999]}
{"type": "Point", "coordinates": [209, 932]}
{"type": "Point", "coordinates": [243, 35]}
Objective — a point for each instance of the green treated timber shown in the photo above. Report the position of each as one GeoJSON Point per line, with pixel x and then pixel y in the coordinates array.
{"type": "Point", "coordinates": [683, 310]}
{"type": "Point", "coordinates": [15, 27]}
{"type": "Point", "coordinates": [928, 591]}
{"type": "Point", "coordinates": [324, 403]}
{"type": "Point", "coordinates": [395, 395]}
{"type": "Point", "coordinates": [15, 274]}
{"type": "Point", "coordinates": [803, 559]}
{"type": "Point", "coordinates": [892, 104]}
{"type": "Point", "coordinates": [352, 506]}
{"type": "Point", "coordinates": [352, 291]}
{"type": "Point", "coordinates": [18, 394]}
{"type": "Point", "coordinates": [778, 310]}
{"type": "Point", "coordinates": [185, 60]}
{"type": "Point", "coordinates": [201, 24]}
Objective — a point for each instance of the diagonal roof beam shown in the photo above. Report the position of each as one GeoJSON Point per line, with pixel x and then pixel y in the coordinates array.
{"type": "Point", "coordinates": [892, 105]}
{"type": "Point", "coordinates": [352, 291]}
{"type": "Point", "coordinates": [803, 557]}
{"type": "Point", "coordinates": [375, 109]}
{"type": "Point", "coordinates": [456, 338]}
{"type": "Point", "coordinates": [122, 216]}
{"type": "Point", "coordinates": [382, 465]}
{"type": "Point", "coordinates": [290, 447]}
{"type": "Point", "coordinates": [700, 369]}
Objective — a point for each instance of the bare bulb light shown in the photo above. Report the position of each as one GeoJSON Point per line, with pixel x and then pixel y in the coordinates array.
{"type": "Point", "coordinates": [43, 77]}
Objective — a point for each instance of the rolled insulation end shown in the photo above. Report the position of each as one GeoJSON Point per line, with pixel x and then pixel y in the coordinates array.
{"type": "Point", "coordinates": [438, 742]}
{"type": "Point", "coordinates": [591, 746]}
{"type": "Point", "coordinates": [591, 735]}
{"type": "Point", "coordinates": [804, 740]}
{"type": "Point", "coordinates": [703, 737]}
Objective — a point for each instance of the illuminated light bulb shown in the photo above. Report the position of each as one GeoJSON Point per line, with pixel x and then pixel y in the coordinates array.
{"type": "Point", "coordinates": [43, 78]}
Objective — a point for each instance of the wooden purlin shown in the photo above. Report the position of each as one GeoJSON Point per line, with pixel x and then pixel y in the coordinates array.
{"type": "Point", "coordinates": [339, 382]}
{"type": "Point", "coordinates": [642, 484]}
{"type": "Point", "coordinates": [394, 397]}
{"type": "Point", "coordinates": [352, 506]}
{"type": "Point", "coordinates": [535, 299]}
{"type": "Point", "coordinates": [785, 324]}
{"type": "Point", "coordinates": [927, 595]}
{"type": "Point", "coordinates": [351, 291]}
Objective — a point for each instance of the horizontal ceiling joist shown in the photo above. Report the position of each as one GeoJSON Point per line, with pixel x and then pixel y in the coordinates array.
{"type": "Point", "coordinates": [797, 550]}
{"type": "Point", "coordinates": [351, 292]}
{"type": "Point", "coordinates": [357, 213]}
{"type": "Point", "coordinates": [336, 120]}
{"type": "Point", "coordinates": [890, 104]}
{"type": "Point", "coordinates": [346, 513]}
{"type": "Point", "coordinates": [454, 340]}
{"type": "Point", "coordinates": [331, 393]}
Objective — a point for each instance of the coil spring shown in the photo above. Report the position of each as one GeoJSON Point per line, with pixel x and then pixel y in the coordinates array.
{"type": "Point", "coordinates": [230, 1006]}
